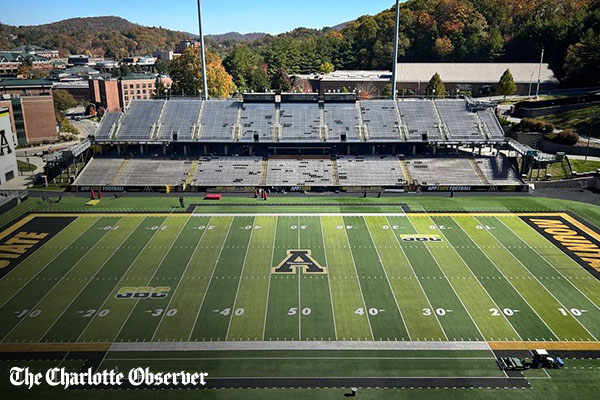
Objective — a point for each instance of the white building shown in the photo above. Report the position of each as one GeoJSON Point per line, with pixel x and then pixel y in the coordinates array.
{"type": "Point", "coordinates": [8, 151]}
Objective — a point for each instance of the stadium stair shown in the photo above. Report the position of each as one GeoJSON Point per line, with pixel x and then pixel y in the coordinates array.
{"type": "Point", "coordinates": [237, 127]}
{"type": "Point", "coordinates": [479, 172]}
{"type": "Point", "coordinates": [401, 123]}
{"type": "Point", "coordinates": [335, 173]}
{"type": "Point", "coordinates": [405, 171]}
{"type": "Point", "coordinates": [483, 129]}
{"type": "Point", "coordinates": [362, 130]}
{"type": "Point", "coordinates": [322, 125]}
{"type": "Point", "coordinates": [444, 134]}
{"type": "Point", "coordinates": [265, 169]}
{"type": "Point", "coordinates": [120, 171]}
{"type": "Point", "coordinates": [197, 128]}
{"type": "Point", "coordinates": [158, 125]}
{"type": "Point", "coordinates": [191, 174]}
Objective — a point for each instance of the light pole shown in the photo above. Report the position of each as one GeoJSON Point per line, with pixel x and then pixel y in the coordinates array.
{"type": "Point", "coordinates": [530, 83]}
{"type": "Point", "coordinates": [395, 65]}
{"type": "Point", "coordinates": [202, 51]}
{"type": "Point", "coordinates": [537, 90]}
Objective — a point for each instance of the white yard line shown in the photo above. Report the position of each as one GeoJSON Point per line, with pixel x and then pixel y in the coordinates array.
{"type": "Point", "coordinates": [509, 282]}
{"type": "Point", "coordinates": [49, 262]}
{"type": "Point", "coordinates": [450, 283]}
{"type": "Point", "coordinates": [162, 317]}
{"type": "Point", "coordinates": [538, 281]}
{"type": "Point", "coordinates": [475, 276]}
{"type": "Point", "coordinates": [153, 275]}
{"type": "Point", "coordinates": [299, 277]}
{"type": "Point", "coordinates": [120, 280]}
{"type": "Point", "coordinates": [328, 279]}
{"type": "Point", "coordinates": [34, 307]}
{"type": "Point", "coordinates": [418, 280]}
{"type": "Point", "coordinates": [232, 313]}
{"type": "Point", "coordinates": [357, 278]}
{"type": "Point", "coordinates": [276, 214]}
{"type": "Point", "coordinates": [269, 283]}
{"type": "Point", "coordinates": [91, 280]}
{"type": "Point", "coordinates": [210, 280]}
{"type": "Point", "coordinates": [387, 278]}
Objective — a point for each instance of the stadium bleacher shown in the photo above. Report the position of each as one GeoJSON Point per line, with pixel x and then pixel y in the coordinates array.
{"type": "Point", "coordinates": [492, 124]}
{"type": "Point", "coordinates": [498, 171]}
{"type": "Point", "coordinates": [299, 172]}
{"type": "Point", "coordinates": [180, 119]}
{"type": "Point", "coordinates": [218, 120]}
{"type": "Point", "coordinates": [230, 171]}
{"type": "Point", "coordinates": [106, 125]}
{"type": "Point", "coordinates": [258, 119]}
{"type": "Point", "coordinates": [442, 171]}
{"type": "Point", "coordinates": [140, 120]}
{"type": "Point", "coordinates": [300, 122]}
{"type": "Point", "coordinates": [134, 172]}
{"type": "Point", "coordinates": [341, 119]}
{"type": "Point", "coordinates": [462, 124]}
{"type": "Point", "coordinates": [370, 171]}
{"type": "Point", "coordinates": [420, 119]}
{"type": "Point", "coordinates": [381, 119]}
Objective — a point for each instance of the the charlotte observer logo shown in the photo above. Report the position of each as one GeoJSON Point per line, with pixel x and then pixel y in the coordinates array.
{"type": "Point", "coordinates": [136, 377]}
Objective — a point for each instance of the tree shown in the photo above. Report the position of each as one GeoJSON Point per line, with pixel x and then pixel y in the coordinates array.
{"type": "Point", "coordinates": [162, 66]}
{"type": "Point", "coordinates": [443, 47]}
{"type": "Point", "coordinates": [281, 80]}
{"type": "Point", "coordinates": [582, 63]}
{"type": "Point", "coordinates": [186, 72]}
{"type": "Point", "coordinates": [327, 68]}
{"type": "Point", "coordinates": [436, 87]}
{"type": "Point", "coordinates": [506, 86]}
{"type": "Point", "coordinates": [259, 80]}
{"type": "Point", "coordinates": [159, 88]}
{"type": "Point", "coordinates": [63, 100]}
{"type": "Point", "coordinates": [241, 63]}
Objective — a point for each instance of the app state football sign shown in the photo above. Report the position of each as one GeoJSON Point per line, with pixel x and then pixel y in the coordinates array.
{"type": "Point", "coordinates": [299, 259]}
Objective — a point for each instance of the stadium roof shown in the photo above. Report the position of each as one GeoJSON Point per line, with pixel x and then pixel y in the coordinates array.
{"type": "Point", "coordinates": [474, 72]}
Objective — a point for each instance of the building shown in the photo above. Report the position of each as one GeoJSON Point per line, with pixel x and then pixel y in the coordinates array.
{"type": "Point", "coordinates": [78, 60]}
{"type": "Point", "coordinates": [11, 61]}
{"type": "Point", "coordinates": [114, 94]}
{"type": "Point", "coordinates": [31, 109]}
{"type": "Point", "coordinates": [8, 153]}
{"type": "Point", "coordinates": [163, 54]}
{"type": "Point", "coordinates": [80, 90]}
{"type": "Point", "coordinates": [78, 73]}
{"type": "Point", "coordinates": [184, 44]}
{"type": "Point", "coordinates": [475, 79]}
{"type": "Point", "coordinates": [37, 50]}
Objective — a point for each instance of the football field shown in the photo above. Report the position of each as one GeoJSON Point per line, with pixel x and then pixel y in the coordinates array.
{"type": "Point", "coordinates": [509, 280]}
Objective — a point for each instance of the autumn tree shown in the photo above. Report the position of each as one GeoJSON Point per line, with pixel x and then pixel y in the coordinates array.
{"type": "Point", "coordinates": [159, 88]}
{"type": "Point", "coordinates": [326, 68]}
{"type": "Point", "coordinates": [506, 86]}
{"type": "Point", "coordinates": [63, 100]}
{"type": "Point", "coordinates": [436, 87]}
{"type": "Point", "coordinates": [281, 80]}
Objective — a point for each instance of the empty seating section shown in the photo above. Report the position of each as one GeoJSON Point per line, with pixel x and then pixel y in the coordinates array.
{"type": "Point", "coordinates": [179, 119]}
{"type": "Point", "coordinates": [229, 171]}
{"type": "Point", "coordinates": [493, 125]}
{"type": "Point", "coordinates": [134, 172]}
{"type": "Point", "coordinates": [442, 171]}
{"type": "Point", "coordinates": [381, 119]}
{"type": "Point", "coordinates": [461, 123]}
{"type": "Point", "coordinates": [420, 119]}
{"type": "Point", "coordinates": [218, 120]}
{"type": "Point", "coordinates": [99, 172]}
{"type": "Point", "coordinates": [258, 119]}
{"type": "Point", "coordinates": [498, 171]}
{"type": "Point", "coordinates": [299, 172]}
{"type": "Point", "coordinates": [370, 171]}
{"type": "Point", "coordinates": [299, 122]}
{"type": "Point", "coordinates": [138, 122]}
{"type": "Point", "coordinates": [341, 118]}
{"type": "Point", "coordinates": [108, 121]}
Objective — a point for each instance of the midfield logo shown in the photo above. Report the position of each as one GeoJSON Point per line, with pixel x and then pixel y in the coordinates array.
{"type": "Point", "coordinates": [299, 259]}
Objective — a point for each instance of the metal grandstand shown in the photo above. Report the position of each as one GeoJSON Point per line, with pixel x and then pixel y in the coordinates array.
{"type": "Point", "coordinates": [367, 121]}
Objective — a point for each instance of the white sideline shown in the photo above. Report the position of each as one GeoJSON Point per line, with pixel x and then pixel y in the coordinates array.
{"type": "Point", "coordinates": [304, 345]}
{"type": "Point", "coordinates": [276, 214]}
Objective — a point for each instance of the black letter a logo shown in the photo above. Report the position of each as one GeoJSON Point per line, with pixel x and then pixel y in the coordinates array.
{"type": "Point", "coordinates": [299, 259]}
{"type": "Point", "coordinates": [4, 144]}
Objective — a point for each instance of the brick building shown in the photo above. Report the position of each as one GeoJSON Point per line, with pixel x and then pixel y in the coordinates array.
{"type": "Point", "coordinates": [114, 94]}
{"type": "Point", "coordinates": [31, 109]}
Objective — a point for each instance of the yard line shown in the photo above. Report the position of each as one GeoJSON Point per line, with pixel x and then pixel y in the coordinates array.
{"type": "Point", "coordinates": [49, 262]}
{"type": "Point", "coordinates": [231, 315]}
{"type": "Point", "coordinates": [511, 284]}
{"type": "Point", "coordinates": [328, 278]}
{"type": "Point", "coordinates": [552, 265]}
{"type": "Point", "coordinates": [475, 276]}
{"type": "Point", "coordinates": [387, 278]}
{"type": "Point", "coordinates": [211, 277]}
{"type": "Point", "coordinates": [358, 279]}
{"type": "Point", "coordinates": [535, 277]}
{"type": "Point", "coordinates": [294, 358]}
{"type": "Point", "coordinates": [162, 317]}
{"type": "Point", "coordinates": [90, 281]}
{"type": "Point", "coordinates": [269, 283]}
{"type": "Point", "coordinates": [417, 279]}
{"type": "Point", "coordinates": [299, 276]}
{"type": "Point", "coordinates": [450, 283]}
{"type": "Point", "coordinates": [120, 280]}
{"type": "Point", "coordinates": [58, 281]}
{"type": "Point", "coordinates": [153, 275]}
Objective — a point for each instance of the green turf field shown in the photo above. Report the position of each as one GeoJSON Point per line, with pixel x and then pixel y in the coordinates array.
{"type": "Point", "coordinates": [108, 278]}
{"type": "Point", "coordinates": [312, 288]}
